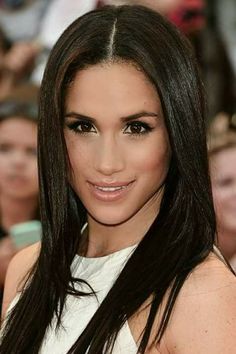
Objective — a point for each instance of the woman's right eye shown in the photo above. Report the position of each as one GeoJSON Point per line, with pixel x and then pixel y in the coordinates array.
{"type": "Point", "coordinates": [81, 127]}
{"type": "Point", "coordinates": [226, 182]}
{"type": "Point", "coordinates": [5, 147]}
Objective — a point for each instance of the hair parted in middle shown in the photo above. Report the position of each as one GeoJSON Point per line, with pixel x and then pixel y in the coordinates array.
{"type": "Point", "coordinates": [183, 233]}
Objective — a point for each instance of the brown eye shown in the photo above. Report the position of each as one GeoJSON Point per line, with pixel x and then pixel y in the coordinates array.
{"type": "Point", "coordinates": [5, 147]}
{"type": "Point", "coordinates": [226, 182]}
{"type": "Point", "coordinates": [137, 128]}
{"type": "Point", "coordinates": [31, 152]}
{"type": "Point", "coordinates": [84, 127]}
{"type": "Point", "coordinates": [81, 127]}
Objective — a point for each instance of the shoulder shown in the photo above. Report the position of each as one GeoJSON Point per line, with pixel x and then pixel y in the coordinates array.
{"type": "Point", "coordinates": [18, 269]}
{"type": "Point", "coordinates": [204, 316]}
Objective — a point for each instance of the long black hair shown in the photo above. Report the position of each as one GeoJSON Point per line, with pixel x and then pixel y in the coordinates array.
{"type": "Point", "coordinates": [182, 234]}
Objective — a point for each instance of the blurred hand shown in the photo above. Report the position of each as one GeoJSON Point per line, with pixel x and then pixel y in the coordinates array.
{"type": "Point", "coordinates": [20, 58]}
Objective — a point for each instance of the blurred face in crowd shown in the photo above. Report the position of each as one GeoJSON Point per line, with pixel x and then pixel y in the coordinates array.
{"type": "Point", "coordinates": [18, 158]}
{"type": "Point", "coordinates": [223, 172]}
{"type": "Point", "coordinates": [117, 142]}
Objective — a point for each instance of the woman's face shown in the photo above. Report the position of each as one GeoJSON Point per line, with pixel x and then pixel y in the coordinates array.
{"type": "Point", "coordinates": [223, 171]}
{"type": "Point", "coordinates": [18, 158]}
{"type": "Point", "coordinates": [117, 142]}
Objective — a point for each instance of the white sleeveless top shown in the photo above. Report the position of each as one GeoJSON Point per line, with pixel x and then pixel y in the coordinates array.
{"type": "Point", "coordinates": [100, 273]}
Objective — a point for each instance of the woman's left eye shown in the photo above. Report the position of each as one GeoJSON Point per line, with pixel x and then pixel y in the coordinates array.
{"type": "Point", "coordinates": [31, 152]}
{"type": "Point", "coordinates": [82, 127]}
{"type": "Point", "coordinates": [137, 128]}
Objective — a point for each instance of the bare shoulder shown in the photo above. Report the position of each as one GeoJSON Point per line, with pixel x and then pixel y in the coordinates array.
{"type": "Point", "coordinates": [204, 316]}
{"type": "Point", "coordinates": [18, 268]}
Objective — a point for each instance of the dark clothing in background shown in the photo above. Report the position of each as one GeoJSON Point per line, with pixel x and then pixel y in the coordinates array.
{"type": "Point", "coordinates": [217, 72]}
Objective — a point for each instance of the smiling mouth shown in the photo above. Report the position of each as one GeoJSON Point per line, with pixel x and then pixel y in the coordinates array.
{"type": "Point", "coordinates": [111, 189]}
{"type": "Point", "coordinates": [17, 178]}
{"type": "Point", "coordinates": [110, 193]}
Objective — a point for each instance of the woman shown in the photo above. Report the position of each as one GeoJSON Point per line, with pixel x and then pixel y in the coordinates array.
{"type": "Point", "coordinates": [222, 153]}
{"type": "Point", "coordinates": [18, 173]}
{"type": "Point", "coordinates": [122, 147]}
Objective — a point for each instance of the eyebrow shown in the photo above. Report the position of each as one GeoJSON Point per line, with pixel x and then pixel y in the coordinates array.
{"type": "Point", "coordinates": [123, 119]}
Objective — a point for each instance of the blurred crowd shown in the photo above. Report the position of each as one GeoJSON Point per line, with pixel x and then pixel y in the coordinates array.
{"type": "Point", "coordinates": [29, 29]}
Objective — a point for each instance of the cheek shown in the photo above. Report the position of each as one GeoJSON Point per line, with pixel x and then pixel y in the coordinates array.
{"type": "Point", "coordinates": [221, 195]}
{"type": "Point", "coordinates": [33, 169]}
{"type": "Point", "coordinates": [80, 161]}
{"type": "Point", "coordinates": [32, 163]}
{"type": "Point", "coordinates": [218, 201]}
{"type": "Point", "coordinates": [152, 158]}
{"type": "Point", "coordinates": [79, 156]}
{"type": "Point", "coordinates": [4, 160]}
{"type": "Point", "coordinates": [223, 207]}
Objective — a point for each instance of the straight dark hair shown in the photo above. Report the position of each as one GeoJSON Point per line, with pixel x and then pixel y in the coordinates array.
{"type": "Point", "coordinates": [182, 234]}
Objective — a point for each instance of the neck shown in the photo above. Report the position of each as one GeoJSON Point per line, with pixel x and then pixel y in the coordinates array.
{"type": "Point", "coordinates": [106, 239]}
{"type": "Point", "coordinates": [14, 211]}
{"type": "Point", "coordinates": [227, 243]}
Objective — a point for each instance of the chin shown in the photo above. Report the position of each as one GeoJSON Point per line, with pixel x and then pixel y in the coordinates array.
{"type": "Point", "coordinates": [23, 195]}
{"type": "Point", "coordinates": [110, 220]}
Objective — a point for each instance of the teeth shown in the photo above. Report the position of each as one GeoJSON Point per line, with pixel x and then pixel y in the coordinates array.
{"type": "Point", "coordinates": [110, 189]}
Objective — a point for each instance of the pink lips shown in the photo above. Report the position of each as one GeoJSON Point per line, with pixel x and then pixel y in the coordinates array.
{"type": "Point", "coordinates": [17, 179]}
{"type": "Point", "coordinates": [110, 192]}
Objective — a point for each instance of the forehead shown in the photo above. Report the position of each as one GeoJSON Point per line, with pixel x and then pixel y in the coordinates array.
{"type": "Point", "coordinates": [13, 121]}
{"type": "Point", "coordinates": [18, 129]}
{"type": "Point", "coordinates": [224, 162]}
{"type": "Point", "coordinates": [112, 89]}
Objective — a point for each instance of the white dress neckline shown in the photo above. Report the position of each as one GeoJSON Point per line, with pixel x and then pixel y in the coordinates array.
{"type": "Point", "coordinates": [100, 273]}
{"type": "Point", "coordinates": [107, 256]}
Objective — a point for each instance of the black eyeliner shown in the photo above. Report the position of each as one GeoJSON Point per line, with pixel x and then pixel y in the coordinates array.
{"type": "Point", "coordinates": [144, 125]}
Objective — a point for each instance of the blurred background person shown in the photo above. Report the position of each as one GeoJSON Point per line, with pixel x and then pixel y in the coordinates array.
{"type": "Point", "coordinates": [201, 21]}
{"type": "Point", "coordinates": [18, 173]}
{"type": "Point", "coordinates": [58, 15]}
{"type": "Point", "coordinates": [222, 156]}
{"type": "Point", "coordinates": [198, 20]}
{"type": "Point", "coordinates": [19, 26]}
{"type": "Point", "coordinates": [21, 19]}
{"type": "Point", "coordinates": [31, 28]}
{"type": "Point", "coordinates": [5, 79]}
{"type": "Point", "coordinates": [226, 19]}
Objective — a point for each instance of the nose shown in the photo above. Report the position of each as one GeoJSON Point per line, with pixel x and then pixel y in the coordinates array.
{"type": "Point", "coordinates": [109, 157]}
{"type": "Point", "coordinates": [18, 159]}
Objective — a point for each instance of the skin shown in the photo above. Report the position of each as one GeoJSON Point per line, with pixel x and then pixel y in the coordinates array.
{"type": "Point", "coordinates": [15, 64]}
{"type": "Point", "coordinates": [223, 173]}
{"type": "Point", "coordinates": [203, 320]}
{"type": "Point", "coordinates": [105, 153]}
{"type": "Point", "coordinates": [20, 58]}
{"type": "Point", "coordinates": [7, 251]}
{"type": "Point", "coordinates": [18, 180]}
{"type": "Point", "coordinates": [113, 151]}
{"type": "Point", "coordinates": [18, 159]}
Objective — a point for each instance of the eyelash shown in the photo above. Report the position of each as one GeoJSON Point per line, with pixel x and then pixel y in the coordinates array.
{"type": "Point", "coordinates": [145, 127]}
{"type": "Point", "coordinates": [74, 126]}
